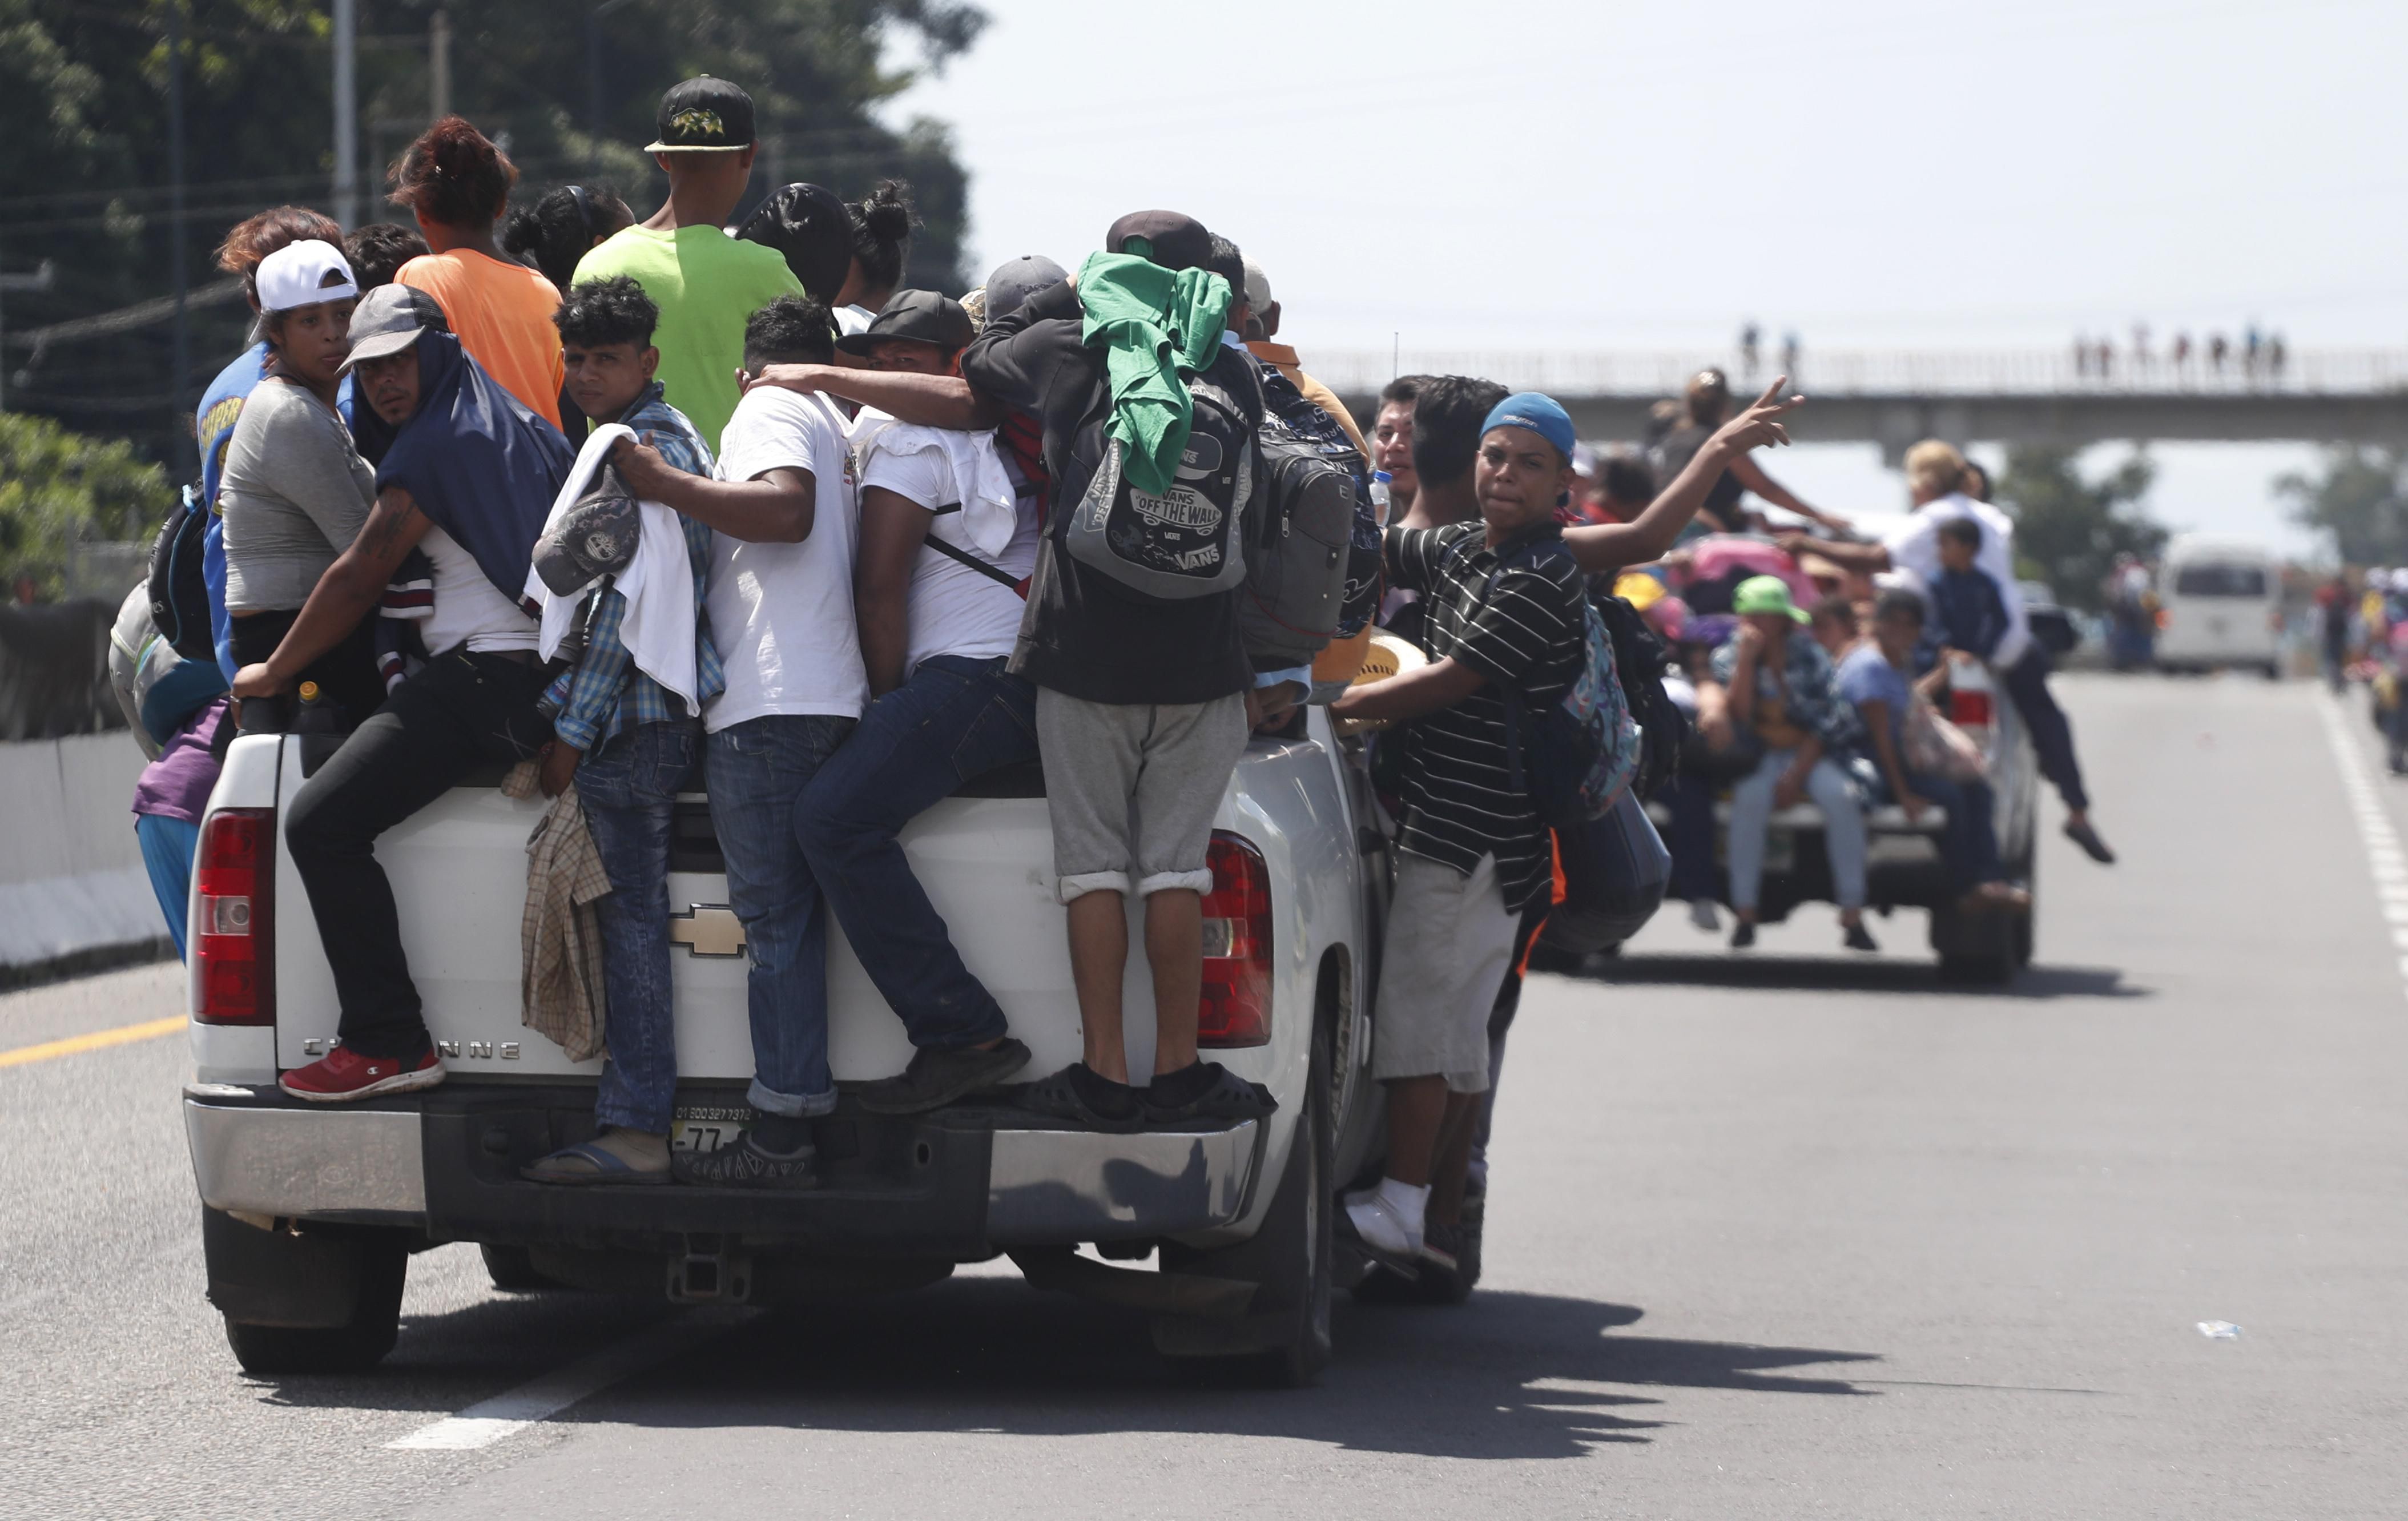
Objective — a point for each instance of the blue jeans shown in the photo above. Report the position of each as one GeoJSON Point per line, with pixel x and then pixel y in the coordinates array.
{"type": "Point", "coordinates": [956, 719]}
{"type": "Point", "coordinates": [169, 846]}
{"type": "Point", "coordinates": [1751, 822]}
{"type": "Point", "coordinates": [757, 770]}
{"type": "Point", "coordinates": [1969, 843]}
{"type": "Point", "coordinates": [629, 789]}
{"type": "Point", "coordinates": [1690, 837]}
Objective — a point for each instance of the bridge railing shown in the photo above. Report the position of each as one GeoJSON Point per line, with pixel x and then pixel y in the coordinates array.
{"type": "Point", "coordinates": [1873, 372]}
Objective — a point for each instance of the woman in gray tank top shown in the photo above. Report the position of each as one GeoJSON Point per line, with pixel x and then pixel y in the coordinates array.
{"type": "Point", "coordinates": [295, 489]}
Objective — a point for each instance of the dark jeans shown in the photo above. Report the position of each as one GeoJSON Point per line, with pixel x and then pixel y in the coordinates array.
{"type": "Point", "coordinates": [1690, 837]}
{"type": "Point", "coordinates": [956, 719]}
{"type": "Point", "coordinates": [629, 791]}
{"type": "Point", "coordinates": [436, 727]}
{"type": "Point", "coordinates": [347, 672]}
{"type": "Point", "coordinates": [1969, 842]}
{"type": "Point", "coordinates": [2027, 684]}
{"type": "Point", "coordinates": [757, 771]}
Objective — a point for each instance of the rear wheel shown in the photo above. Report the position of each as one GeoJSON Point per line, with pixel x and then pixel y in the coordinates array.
{"type": "Point", "coordinates": [1283, 1340]}
{"type": "Point", "coordinates": [360, 1341]}
{"type": "Point", "coordinates": [512, 1270]}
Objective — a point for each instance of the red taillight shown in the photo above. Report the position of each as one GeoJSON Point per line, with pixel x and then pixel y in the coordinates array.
{"type": "Point", "coordinates": [233, 939]}
{"type": "Point", "coordinates": [1235, 1008]}
{"type": "Point", "coordinates": [1968, 709]}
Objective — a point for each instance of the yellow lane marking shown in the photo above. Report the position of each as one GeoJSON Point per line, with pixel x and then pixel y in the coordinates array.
{"type": "Point", "coordinates": [150, 1029]}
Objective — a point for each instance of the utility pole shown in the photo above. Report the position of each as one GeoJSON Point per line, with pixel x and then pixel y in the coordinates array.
{"type": "Point", "coordinates": [347, 113]}
{"type": "Point", "coordinates": [40, 280]}
{"type": "Point", "coordinates": [181, 373]}
{"type": "Point", "coordinates": [438, 65]}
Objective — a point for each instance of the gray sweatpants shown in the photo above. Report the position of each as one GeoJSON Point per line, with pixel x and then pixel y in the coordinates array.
{"type": "Point", "coordinates": [1132, 788]}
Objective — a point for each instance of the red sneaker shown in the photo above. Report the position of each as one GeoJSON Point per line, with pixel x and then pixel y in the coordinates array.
{"type": "Point", "coordinates": [345, 1075]}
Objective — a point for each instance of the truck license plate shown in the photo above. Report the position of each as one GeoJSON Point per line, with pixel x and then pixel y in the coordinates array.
{"type": "Point", "coordinates": [707, 1128]}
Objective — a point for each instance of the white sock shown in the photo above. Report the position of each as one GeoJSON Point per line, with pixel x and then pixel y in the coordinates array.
{"type": "Point", "coordinates": [1410, 1203]}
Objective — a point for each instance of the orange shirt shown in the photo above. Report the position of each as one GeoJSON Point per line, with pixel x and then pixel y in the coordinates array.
{"type": "Point", "coordinates": [503, 314]}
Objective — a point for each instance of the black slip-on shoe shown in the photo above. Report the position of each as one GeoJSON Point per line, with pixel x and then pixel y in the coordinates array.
{"type": "Point", "coordinates": [1058, 1097]}
{"type": "Point", "coordinates": [2087, 838]}
{"type": "Point", "coordinates": [1858, 938]}
{"type": "Point", "coordinates": [1222, 1095]}
{"type": "Point", "coordinates": [1743, 935]}
{"type": "Point", "coordinates": [938, 1077]}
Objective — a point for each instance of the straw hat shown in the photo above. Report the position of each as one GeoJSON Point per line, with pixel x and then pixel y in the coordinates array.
{"type": "Point", "coordinates": [1389, 655]}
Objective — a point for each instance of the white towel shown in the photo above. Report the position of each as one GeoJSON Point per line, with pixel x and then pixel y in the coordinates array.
{"type": "Point", "coordinates": [990, 507]}
{"type": "Point", "coordinates": [658, 584]}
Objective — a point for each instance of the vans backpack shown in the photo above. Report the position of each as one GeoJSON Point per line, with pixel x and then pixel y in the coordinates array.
{"type": "Point", "coordinates": [1186, 543]}
{"type": "Point", "coordinates": [1293, 407]}
{"type": "Point", "coordinates": [1578, 754]}
{"type": "Point", "coordinates": [179, 597]}
{"type": "Point", "coordinates": [1298, 537]}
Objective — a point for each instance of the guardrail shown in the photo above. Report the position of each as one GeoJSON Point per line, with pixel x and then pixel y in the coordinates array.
{"type": "Point", "coordinates": [1877, 372]}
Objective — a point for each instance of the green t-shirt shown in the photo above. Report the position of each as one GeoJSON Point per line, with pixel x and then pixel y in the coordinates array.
{"type": "Point", "coordinates": [706, 284]}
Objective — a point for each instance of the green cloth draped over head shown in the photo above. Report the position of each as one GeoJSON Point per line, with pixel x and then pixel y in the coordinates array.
{"type": "Point", "coordinates": [1155, 327]}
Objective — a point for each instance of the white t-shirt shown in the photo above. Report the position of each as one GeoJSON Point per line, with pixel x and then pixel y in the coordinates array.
{"type": "Point", "coordinates": [782, 614]}
{"type": "Point", "coordinates": [954, 611]}
{"type": "Point", "coordinates": [1916, 546]}
{"type": "Point", "coordinates": [468, 609]}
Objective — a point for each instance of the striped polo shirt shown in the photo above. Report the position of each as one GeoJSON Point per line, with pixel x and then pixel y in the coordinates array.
{"type": "Point", "coordinates": [1526, 632]}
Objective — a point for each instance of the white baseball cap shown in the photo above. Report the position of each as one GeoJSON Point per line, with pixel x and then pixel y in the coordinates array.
{"type": "Point", "coordinates": [1258, 293]}
{"type": "Point", "coordinates": [295, 275]}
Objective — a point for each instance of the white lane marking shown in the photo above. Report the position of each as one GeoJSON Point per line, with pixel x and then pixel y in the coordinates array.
{"type": "Point", "coordinates": [490, 1421]}
{"type": "Point", "coordinates": [2384, 861]}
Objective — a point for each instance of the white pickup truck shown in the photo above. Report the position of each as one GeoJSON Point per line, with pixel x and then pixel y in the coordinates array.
{"type": "Point", "coordinates": [311, 1211]}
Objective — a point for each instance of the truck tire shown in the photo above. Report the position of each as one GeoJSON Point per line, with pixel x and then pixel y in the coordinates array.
{"type": "Point", "coordinates": [1283, 1341]}
{"type": "Point", "coordinates": [359, 1343]}
{"type": "Point", "coordinates": [513, 1271]}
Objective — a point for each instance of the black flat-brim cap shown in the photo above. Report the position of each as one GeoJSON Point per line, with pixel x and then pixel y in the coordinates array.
{"type": "Point", "coordinates": [1174, 240]}
{"type": "Point", "coordinates": [915, 317]}
{"type": "Point", "coordinates": [703, 115]}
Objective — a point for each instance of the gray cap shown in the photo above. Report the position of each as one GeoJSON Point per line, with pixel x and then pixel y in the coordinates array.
{"type": "Point", "coordinates": [1017, 280]}
{"type": "Point", "coordinates": [1258, 293]}
{"type": "Point", "coordinates": [389, 320]}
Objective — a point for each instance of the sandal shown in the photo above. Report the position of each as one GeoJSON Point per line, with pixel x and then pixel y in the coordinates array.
{"type": "Point", "coordinates": [1227, 1097]}
{"type": "Point", "coordinates": [1058, 1097]}
{"type": "Point", "coordinates": [586, 1164]}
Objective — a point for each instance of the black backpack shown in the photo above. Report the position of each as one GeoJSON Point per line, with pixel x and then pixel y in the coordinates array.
{"type": "Point", "coordinates": [1298, 531]}
{"type": "Point", "coordinates": [1640, 659]}
{"type": "Point", "coordinates": [180, 596]}
{"type": "Point", "coordinates": [1298, 413]}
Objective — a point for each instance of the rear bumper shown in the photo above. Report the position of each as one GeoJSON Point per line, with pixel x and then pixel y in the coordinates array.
{"type": "Point", "coordinates": [963, 1183]}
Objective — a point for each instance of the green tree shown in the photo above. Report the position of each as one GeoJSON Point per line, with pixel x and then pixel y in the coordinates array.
{"type": "Point", "coordinates": [83, 103]}
{"type": "Point", "coordinates": [56, 486]}
{"type": "Point", "coordinates": [2360, 503]}
{"type": "Point", "coordinates": [2068, 530]}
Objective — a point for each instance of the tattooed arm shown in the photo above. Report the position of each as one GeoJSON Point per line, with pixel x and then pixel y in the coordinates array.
{"type": "Point", "coordinates": [349, 591]}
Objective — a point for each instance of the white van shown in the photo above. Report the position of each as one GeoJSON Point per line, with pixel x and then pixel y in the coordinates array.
{"type": "Point", "coordinates": [2221, 605]}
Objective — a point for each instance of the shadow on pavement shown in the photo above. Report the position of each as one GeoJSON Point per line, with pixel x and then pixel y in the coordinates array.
{"type": "Point", "coordinates": [1832, 974]}
{"type": "Point", "coordinates": [1507, 1376]}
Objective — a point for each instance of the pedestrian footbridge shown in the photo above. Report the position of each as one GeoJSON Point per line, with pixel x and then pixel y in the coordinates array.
{"type": "Point", "coordinates": [1893, 397]}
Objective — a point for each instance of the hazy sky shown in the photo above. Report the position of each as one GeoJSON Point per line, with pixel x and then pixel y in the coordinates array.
{"type": "Point", "coordinates": [1870, 173]}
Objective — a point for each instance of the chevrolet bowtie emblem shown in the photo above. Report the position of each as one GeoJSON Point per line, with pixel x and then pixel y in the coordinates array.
{"type": "Point", "coordinates": [708, 929]}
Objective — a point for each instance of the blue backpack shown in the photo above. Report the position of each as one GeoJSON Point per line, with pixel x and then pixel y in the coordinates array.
{"type": "Point", "coordinates": [1577, 755]}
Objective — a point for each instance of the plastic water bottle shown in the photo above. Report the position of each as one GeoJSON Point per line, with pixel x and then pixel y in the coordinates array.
{"type": "Point", "coordinates": [1380, 496]}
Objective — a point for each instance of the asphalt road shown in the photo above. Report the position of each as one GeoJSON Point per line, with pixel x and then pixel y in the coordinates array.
{"type": "Point", "coordinates": [1792, 1234]}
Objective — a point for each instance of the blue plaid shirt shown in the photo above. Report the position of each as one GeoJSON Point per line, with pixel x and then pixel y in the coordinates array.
{"type": "Point", "coordinates": [604, 694]}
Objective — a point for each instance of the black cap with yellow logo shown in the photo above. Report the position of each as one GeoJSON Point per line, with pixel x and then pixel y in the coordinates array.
{"type": "Point", "coordinates": [703, 115]}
